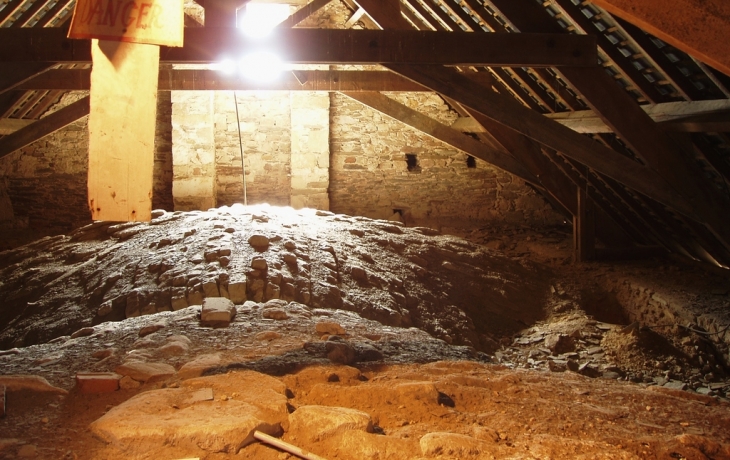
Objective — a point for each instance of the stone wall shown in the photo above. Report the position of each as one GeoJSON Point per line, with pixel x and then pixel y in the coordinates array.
{"type": "Point", "coordinates": [265, 121]}
{"type": "Point", "coordinates": [193, 150]}
{"type": "Point", "coordinates": [162, 185]}
{"type": "Point", "coordinates": [46, 180]}
{"type": "Point", "coordinates": [310, 150]}
{"type": "Point", "coordinates": [370, 173]}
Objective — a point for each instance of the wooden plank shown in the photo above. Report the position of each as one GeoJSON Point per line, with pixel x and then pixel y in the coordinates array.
{"type": "Point", "coordinates": [442, 132]}
{"type": "Point", "coordinates": [43, 127]}
{"type": "Point", "coordinates": [671, 160]}
{"type": "Point", "coordinates": [634, 75]}
{"type": "Point", "coordinates": [329, 46]}
{"type": "Point", "coordinates": [680, 116]}
{"type": "Point", "coordinates": [384, 14]}
{"type": "Point", "coordinates": [27, 15]}
{"type": "Point", "coordinates": [122, 130]}
{"type": "Point", "coordinates": [584, 229]}
{"type": "Point", "coordinates": [677, 24]}
{"type": "Point", "coordinates": [14, 74]}
{"type": "Point", "coordinates": [11, 7]}
{"type": "Point", "coordinates": [303, 13]}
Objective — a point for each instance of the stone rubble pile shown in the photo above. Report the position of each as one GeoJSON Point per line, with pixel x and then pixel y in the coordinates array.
{"type": "Point", "coordinates": [399, 276]}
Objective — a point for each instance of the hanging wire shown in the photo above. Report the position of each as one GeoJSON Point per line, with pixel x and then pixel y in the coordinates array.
{"type": "Point", "coordinates": [240, 145]}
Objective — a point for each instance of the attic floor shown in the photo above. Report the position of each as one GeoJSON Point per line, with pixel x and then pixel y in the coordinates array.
{"type": "Point", "coordinates": [586, 382]}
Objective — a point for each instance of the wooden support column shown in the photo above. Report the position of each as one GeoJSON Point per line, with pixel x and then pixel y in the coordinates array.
{"type": "Point", "coordinates": [584, 228]}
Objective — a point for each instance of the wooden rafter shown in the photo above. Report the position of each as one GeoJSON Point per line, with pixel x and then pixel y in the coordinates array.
{"type": "Point", "coordinates": [303, 13]}
{"type": "Point", "coordinates": [680, 30]}
{"type": "Point", "coordinates": [45, 126]}
{"type": "Point", "coordinates": [27, 16]}
{"type": "Point", "coordinates": [631, 123]}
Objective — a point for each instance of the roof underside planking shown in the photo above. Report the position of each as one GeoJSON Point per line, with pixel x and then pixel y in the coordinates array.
{"type": "Point", "coordinates": [643, 134]}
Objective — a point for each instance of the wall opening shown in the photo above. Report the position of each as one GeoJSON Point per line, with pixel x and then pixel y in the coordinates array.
{"type": "Point", "coordinates": [471, 162]}
{"type": "Point", "coordinates": [412, 163]}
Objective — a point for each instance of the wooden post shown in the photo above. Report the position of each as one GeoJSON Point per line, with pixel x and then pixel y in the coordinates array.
{"type": "Point", "coordinates": [584, 228]}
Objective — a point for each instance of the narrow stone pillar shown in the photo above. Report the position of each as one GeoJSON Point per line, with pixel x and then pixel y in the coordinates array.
{"type": "Point", "coordinates": [193, 150]}
{"type": "Point", "coordinates": [310, 149]}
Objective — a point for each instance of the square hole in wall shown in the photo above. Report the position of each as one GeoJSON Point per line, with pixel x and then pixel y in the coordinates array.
{"type": "Point", "coordinates": [412, 163]}
{"type": "Point", "coordinates": [471, 162]}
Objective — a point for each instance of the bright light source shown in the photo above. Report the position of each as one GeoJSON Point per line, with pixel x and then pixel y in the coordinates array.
{"type": "Point", "coordinates": [226, 66]}
{"type": "Point", "coordinates": [260, 18]}
{"type": "Point", "coordinates": [261, 66]}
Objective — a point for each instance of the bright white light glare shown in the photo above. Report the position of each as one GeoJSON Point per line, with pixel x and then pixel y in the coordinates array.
{"type": "Point", "coordinates": [261, 66]}
{"type": "Point", "coordinates": [226, 66]}
{"type": "Point", "coordinates": [260, 18]}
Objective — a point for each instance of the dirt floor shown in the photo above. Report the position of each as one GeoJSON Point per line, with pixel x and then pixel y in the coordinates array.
{"type": "Point", "coordinates": [613, 360]}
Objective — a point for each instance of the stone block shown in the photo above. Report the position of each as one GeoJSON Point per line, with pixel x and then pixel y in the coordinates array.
{"type": "Point", "coordinates": [97, 382]}
{"type": "Point", "coordinates": [210, 288]}
{"type": "Point", "coordinates": [217, 312]}
{"type": "Point", "coordinates": [145, 372]}
{"type": "Point", "coordinates": [237, 292]}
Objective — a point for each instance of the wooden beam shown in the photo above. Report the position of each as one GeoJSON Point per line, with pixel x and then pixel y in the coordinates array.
{"type": "Point", "coordinates": [505, 110]}
{"type": "Point", "coordinates": [698, 28]}
{"type": "Point", "coordinates": [528, 152]}
{"type": "Point", "coordinates": [384, 14]}
{"type": "Point", "coordinates": [199, 80]}
{"type": "Point", "coordinates": [584, 229]}
{"type": "Point", "coordinates": [433, 128]}
{"type": "Point", "coordinates": [11, 7]}
{"type": "Point", "coordinates": [14, 74]}
{"type": "Point", "coordinates": [620, 111]}
{"type": "Point", "coordinates": [689, 116]}
{"type": "Point", "coordinates": [45, 126]}
{"type": "Point", "coordinates": [328, 46]}
{"type": "Point", "coordinates": [303, 13]}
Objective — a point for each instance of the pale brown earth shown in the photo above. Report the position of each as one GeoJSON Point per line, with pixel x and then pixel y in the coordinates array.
{"type": "Point", "coordinates": [570, 381]}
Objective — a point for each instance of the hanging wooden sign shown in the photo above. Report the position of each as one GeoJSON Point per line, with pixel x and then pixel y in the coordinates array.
{"type": "Point", "coordinates": [156, 22]}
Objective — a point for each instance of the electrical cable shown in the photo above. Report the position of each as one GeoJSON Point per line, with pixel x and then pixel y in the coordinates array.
{"type": "Point", "coordinates": [240, 145]}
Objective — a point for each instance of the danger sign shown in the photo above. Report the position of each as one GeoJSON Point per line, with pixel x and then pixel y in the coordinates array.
{"type": "Point", "coordinates": [158, 22]}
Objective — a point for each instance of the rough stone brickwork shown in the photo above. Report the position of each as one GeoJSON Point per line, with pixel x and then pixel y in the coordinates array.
{"type": "Point", "coordinates": [46, 181]}
{"type": "Point", "coordinates": [266, 136]}
{"type": "Point", "coordinates": [162, 186]}
{"type": "Point", "coordinates": [370, 173]}
{"type": "Point", "coordinates": [310, 153]}
{"type": "Point", "coordinates": [333, 16]}
{"type": "Point", "coordinates": [193, 150]}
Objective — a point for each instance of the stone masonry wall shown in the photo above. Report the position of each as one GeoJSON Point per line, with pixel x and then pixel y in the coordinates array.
{"type": "Point", "coordinates": [193, 150]}
{"type": "Point", "coordinates": [266, 136]}
{"type": "Point", "coordinates": [46, 181]}
{"type": "Point", "coordinates": [310, 152]}
{"type": "Point", "coordinates": [162, 185]}
{"type": "Point", "coordinates": [370, 174]}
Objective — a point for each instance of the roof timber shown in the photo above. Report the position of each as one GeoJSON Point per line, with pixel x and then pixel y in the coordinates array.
{"type": "Point", "coordinates": [631, 124]}
{"type": "Point", "coordinates": [442, 77]}
{"type": "Point", "coordinates": [327, 46]}
{"type": "Point", "coordinates": [679, 116]}
{"type": "Point", "coordinates": [662, 21]}
{"type": "Point", "coordinates": [45, 126]}
{"type": "Point", "coordinates": [303, 13]}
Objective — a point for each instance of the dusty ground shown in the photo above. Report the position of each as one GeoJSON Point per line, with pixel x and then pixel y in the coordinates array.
{"type": "Point", "coordinates": [625, 360]}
